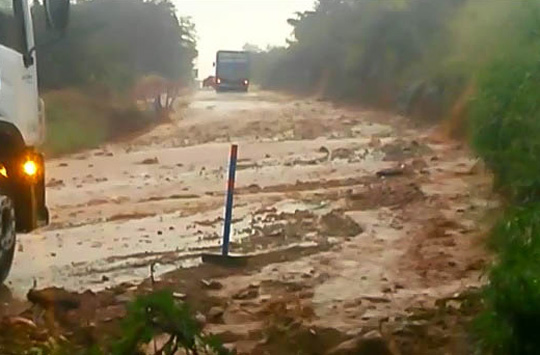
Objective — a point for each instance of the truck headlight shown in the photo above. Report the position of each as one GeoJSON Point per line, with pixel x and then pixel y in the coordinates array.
{"type": "Point", "coordinates": [3, 171]}
{"type": "Point", "coordinates": [30, 168]}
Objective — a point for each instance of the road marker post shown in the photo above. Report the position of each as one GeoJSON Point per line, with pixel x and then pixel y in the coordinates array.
{"type": "Point", "coordinates": [224, 258]}
{"type": "Point", "coordinates": [233, 158]}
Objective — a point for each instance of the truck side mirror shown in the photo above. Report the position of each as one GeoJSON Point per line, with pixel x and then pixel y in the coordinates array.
{"type": "Point", "coordinates": [214, 64]}
{"type": "Point", "coordinates": [57, 13]}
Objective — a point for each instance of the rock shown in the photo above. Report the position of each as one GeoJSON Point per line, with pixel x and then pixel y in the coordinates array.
{"type": "Point", "coordinates": [449, 243]}
{"type": "Point", "coordinates": [247, 294]}
{"type": "Point", "coordinates": [479, 167]}
{"type": "Point", "coordinates": [476, 265]}
{"type": "Point", "coordinates": [105, 278]}
{"type": "Point", "coordinates": [124, 298]}
{"type": "Point", "coordinates": [386, 289]}
{"type": "Point", "coordinates": [215, 313]}
{"type": "Point", "coordinates": [54, 183]}
{"type": "Point", "coordinates": [419, 164]}
{"type": "Point", "coordinates": [336, 223]}
{"type": "Point", "coordinates": [375, 142]}
{"type": "Point", "coordinates": [397, 171]}
{"type": "Point", "coordinates": [212, 284]}
{"type": "Point", "coordinates": [324, 150]}
{"type": "Point", "coordinates": [21, 321]}
{"type": "Point", "coordinates": [341, 153]}
{"type": "Point", "coordinates": [255, 284]}
{"type": "Point", "coordinates": [371, 343]}
{"type": "Point", "coordinates": [54, 298]}
{"type": "Point", "coordinates": [375, 299]}
{"type": "Point", "coordinates": [62, 165]}
{"type": "Point", "coordinates": [200, 318]}
{"type": "Point", "coordinates": [179, 296]}
{"type": "Point", "coordinates": [150, 161]}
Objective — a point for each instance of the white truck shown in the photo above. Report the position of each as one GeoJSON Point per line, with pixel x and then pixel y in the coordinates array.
{"type": "Point", "coordinates": [22, 123]}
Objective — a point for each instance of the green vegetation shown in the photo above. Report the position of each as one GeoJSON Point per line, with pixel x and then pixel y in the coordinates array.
{"type": "Point", "coordinates": [512, 298]}
{"type": "Point", "coordinates": [376, 52]}
{"type": "Point", "coordinates": [155, 323]}
{"type": "Point", "coordinates": [505, 127]}
{"type": "Point", "coordinates": [157, 314]}
{"type": "Point", "coordinates": [70, 112]}
{"type": "Point", "coordinates": [89, 75]}
{"type": "Point", "coordinates": [464, 61]}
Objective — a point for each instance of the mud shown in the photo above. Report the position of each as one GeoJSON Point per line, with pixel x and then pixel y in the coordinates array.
{"type": "Point", "coordinates": [336, 247]}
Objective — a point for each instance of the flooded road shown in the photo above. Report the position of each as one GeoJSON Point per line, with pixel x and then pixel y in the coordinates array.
{"type": "Point", "coordinates": [120, 208]}
{"type": "Point", "coordinates": [397, 211]}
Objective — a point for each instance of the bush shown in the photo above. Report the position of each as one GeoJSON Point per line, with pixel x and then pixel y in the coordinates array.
{"type": "Point", "coordinates": [368, 51]}
{"type": "Point", "coordinates": [505, 126]}
{"type": "Point", "coordinates": [506, 123]}
{"type": "Point", "coordinates": [512, 317]}
{"type": "Point", "coordinates": [158, 313]}
{"type": "Point", "coordinates": [77, 120]}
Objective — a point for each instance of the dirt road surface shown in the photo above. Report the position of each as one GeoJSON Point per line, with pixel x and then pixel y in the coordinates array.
{"type": "Point", "coordinates": [384, 217]}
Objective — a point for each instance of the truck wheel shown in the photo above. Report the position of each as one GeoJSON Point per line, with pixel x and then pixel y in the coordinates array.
{"type": "Point", "coordinates": [7, 236]}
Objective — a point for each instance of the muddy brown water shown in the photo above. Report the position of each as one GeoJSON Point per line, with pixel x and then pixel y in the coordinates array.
{"type": "Point", "coordinates": [308, 177]}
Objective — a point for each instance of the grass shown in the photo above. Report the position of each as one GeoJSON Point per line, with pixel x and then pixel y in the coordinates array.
{"type": "Point", "coordinates": [512, 297]}
{"type": "Point", "coordinates": [157, 314]}
{"type": "Point", "coordinates": [78, 120]}
{"type": "Point", "coordinates": [505, 126]}
{"type": "Point", "coordinates": [149, 317]}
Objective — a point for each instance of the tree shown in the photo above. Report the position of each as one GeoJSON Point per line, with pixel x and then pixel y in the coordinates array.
{"type": "Point", "coordinates": [112, 43]}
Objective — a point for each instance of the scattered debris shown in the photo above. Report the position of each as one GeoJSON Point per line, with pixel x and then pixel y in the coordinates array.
{"type": "Point", "coordinates": [54, 183]}
{"type": "Point", "coordinates": [149, 161]}
{"type": "Point", "coordinates": [179, 296]}
{"type": "Point", "coordinates": [215, 314]}
{"type": "Point", "coordinates": [371, 343]}
{"type": "Point", "coordinates": [397, 171]}
{"type": "Point", "coordinates": [336, 223]}
{"type": "Point", "coordinates": [212, 284]}
{"type": "Point", "coordinates": [247, 294]}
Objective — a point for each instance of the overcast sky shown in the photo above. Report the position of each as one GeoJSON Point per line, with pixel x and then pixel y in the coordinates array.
{"type": "Point", "coordinates": [229, 24]}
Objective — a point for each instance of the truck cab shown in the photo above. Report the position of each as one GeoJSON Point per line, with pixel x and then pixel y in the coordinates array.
{"type": "Point", "coordinates": [22, 123]}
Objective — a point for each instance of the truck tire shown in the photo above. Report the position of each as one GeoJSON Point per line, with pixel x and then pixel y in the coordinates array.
{"type": "Point", "coordinates": [7, 236]}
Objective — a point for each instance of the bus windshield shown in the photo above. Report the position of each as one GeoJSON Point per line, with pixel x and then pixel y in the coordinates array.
{"type": "Point", "coordinates": [232, 65]}
{"type": "Point", "coordinates": [233, 71]}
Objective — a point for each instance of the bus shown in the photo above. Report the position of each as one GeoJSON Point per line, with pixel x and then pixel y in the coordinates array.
{"type": "Point", "coordinates": [232, 71]}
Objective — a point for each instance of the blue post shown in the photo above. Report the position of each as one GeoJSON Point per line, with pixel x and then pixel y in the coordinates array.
{"type": "Point", "coordinates": [229, 202]}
